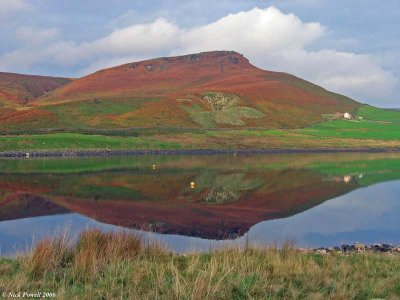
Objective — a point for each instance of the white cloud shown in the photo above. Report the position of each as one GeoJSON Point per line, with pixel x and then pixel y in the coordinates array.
{"type": "Point", "coordinates": [253, 32]}
{"type": "Point", "coordinates": [9, 7]}
{"type": "Point", "coordinates": [347, 73]}
{"type": "Point", "coordinates": [158, 36]}
{"type": "Point", "coordinates": [32, 36]}
{"type": "Point", "coordinates": [269, 38]}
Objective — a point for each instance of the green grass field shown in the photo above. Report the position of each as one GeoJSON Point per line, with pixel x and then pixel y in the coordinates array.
{"type": "Point", "coordinates": [369, 123]}
{"type": "Point", "coordinates": [71, 141]}
{"type": "Point", "coordinates": [371, 127]}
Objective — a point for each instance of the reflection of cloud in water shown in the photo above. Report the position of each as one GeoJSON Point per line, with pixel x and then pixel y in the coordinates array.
{"type": "Point", "coordinates": [364, 215]}
{"type": "Point", "coordinates": [20, 234]}
{"type": "Point", "coordinates": [374, 209]}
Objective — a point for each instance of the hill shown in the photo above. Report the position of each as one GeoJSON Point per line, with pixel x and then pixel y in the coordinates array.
{"type": "Point", "coordinates": [18, 89]}
{"type": "Point", "coordinates": [218, 89]}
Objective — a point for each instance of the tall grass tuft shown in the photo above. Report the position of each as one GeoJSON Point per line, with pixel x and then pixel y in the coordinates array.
{"type": "Point", "coordinates": [93, 251]}
{"type": "Point", "coordinates": [102, 265]}
{"type": "Point", "coordinates": [49, 255]}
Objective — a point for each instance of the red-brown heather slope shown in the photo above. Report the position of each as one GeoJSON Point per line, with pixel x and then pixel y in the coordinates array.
{"type": "Point", "coordinates": [22, 89]}
{"type": "Point", "coordinates": [211, 89]}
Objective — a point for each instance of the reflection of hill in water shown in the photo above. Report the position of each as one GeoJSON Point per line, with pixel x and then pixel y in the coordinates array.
{"type": "Point", "coordinates": [25, 205]}
{"type": "Point", "coordinates": [197, 200]}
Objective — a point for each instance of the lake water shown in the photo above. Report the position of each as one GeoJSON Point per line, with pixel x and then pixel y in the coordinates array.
{"type": "Point", "coordinates": [194, 203]}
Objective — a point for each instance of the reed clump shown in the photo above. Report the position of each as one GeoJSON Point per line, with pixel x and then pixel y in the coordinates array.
{"type": "Point", "coordinates": [123, 266]}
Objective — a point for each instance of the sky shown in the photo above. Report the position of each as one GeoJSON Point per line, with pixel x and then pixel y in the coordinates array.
{"type": "Point", "coordinates": [347, 46]}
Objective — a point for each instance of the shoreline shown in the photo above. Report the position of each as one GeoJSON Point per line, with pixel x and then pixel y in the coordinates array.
{"type": "Point", "coordinates": [345, 249]}
{"type": "Point", "coordinates": [357, 248]}
{"type": "Point", "coordinates": [127, 152]}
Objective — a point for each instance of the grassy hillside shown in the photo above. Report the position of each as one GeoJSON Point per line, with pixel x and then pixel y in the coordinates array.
{"type": "Point", "coordinates": [378, 128]}
{"type": "Point", "coordinates": [206, 90]}
{"type": "Point", "coordinates": [369, 123]}
{"type": "Point", "coordinates": [121, 266]}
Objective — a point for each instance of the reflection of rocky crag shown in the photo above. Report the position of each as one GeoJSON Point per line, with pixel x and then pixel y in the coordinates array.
{"type": "Point", "coordinates": [225, 188]}
{"type": "Point", "coordinates": [220, 195]}
{"type": "Point", "coordinates": [222, 204]}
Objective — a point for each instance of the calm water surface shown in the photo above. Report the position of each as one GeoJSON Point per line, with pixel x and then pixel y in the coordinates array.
{"type": "Point", "coordinates": [194, 203]}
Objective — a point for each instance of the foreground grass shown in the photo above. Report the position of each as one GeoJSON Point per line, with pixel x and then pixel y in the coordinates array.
{"type": "Point", "coordinates": [110, 266]}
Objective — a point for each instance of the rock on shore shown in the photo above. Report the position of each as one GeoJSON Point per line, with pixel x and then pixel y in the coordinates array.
{"type": "Point", "coordinates": [355, 248]}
